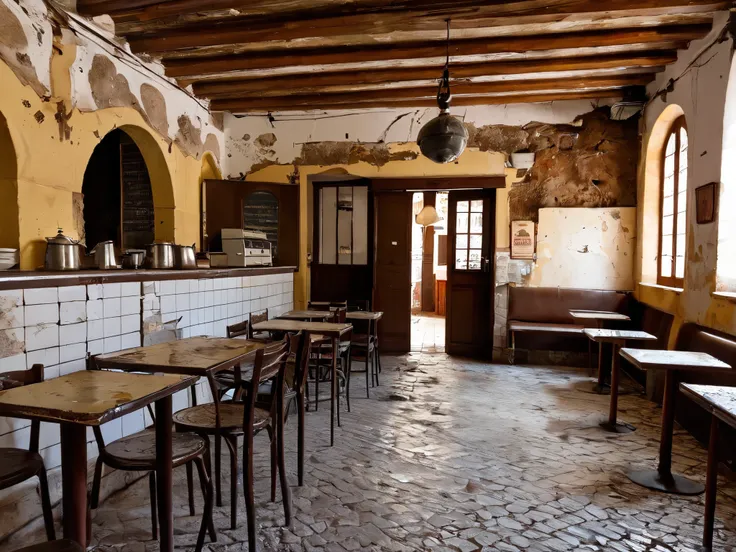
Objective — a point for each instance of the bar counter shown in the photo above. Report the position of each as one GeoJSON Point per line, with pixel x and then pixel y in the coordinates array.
{"type": "Point", "coordinates": [28, 279]}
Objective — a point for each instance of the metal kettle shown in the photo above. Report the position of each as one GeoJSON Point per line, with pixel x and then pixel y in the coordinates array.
{"type": "Point", "coordinates": [104, 253]}
{"type": "Point", "coordinates": [184, 257]}
{"type": "Point", "coordinates": [62, 253]}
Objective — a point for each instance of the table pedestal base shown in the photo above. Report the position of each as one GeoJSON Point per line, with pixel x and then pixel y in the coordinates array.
{"type": "Point", "coordinates": [674, 484]}
{"type": "Point", "coordinates": [617, 427]}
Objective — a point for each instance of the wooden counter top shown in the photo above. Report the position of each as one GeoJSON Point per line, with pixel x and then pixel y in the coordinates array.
{"type": "Point", "coordinates": [25, 279]}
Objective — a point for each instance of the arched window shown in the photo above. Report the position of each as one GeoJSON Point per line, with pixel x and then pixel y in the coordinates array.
{"type": "Point", "coordinates": [673, 207]}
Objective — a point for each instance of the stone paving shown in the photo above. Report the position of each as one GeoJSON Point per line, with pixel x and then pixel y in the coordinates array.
{"type": "Point", "coordinates": [455, 455]}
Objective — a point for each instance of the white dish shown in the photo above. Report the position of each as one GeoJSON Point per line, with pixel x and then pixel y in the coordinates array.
{"type": "Point", "coordinates": [5, 265]}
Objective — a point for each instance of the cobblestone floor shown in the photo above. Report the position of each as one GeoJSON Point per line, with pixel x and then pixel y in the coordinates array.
{"type": "Point", "coordinates": [450, 454]}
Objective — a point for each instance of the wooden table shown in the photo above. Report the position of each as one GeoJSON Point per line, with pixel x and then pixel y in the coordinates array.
{"type": "Point", "coordinates": [328, 330]}
{"type": "Point", "coordinates": [617, 339]}
{"type": "Point", "coordinates": [91, 398]}
{"type": "Point", "coordinates": [674, 363]}
{"type": "Point", "coordinates": [306, 315]}
{"type": "Point", "coordinates": [364, 315]}
{"type": "Point", "coordinates": [600, 318]}
{"type": "Point", "coordinates": [721, 403]}
{"type": "Point", "coordinates": [193, 356]}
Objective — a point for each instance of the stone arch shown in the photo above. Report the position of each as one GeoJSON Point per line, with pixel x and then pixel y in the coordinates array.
{"type": "Point", "coordinates": [9, 222]}
{"type": "Point", "coordinates": [161, 185]}
{"type": "Point", "coordinates": [649, 204]}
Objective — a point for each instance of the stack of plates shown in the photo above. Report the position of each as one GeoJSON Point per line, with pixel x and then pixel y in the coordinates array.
{"type": "Point", "coordinates": [8, 258]}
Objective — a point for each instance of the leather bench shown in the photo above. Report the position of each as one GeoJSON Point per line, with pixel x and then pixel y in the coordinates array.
{"type": "Point", "coordinates": [539, 317]}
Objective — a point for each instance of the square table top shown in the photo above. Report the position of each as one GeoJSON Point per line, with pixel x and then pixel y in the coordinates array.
{"type": "Point", "coordinates": [652, 359]}
{"type": "Point", "coordinates": [719, 399]}
{"type": "Point", "coordinates": [305, 314]}
{"type": "Point", "coordinates": [196, 356]}
{"type": "Point", "coordinates": [363, 315]}
{"type": "Point", "coordinates": [328, 329]}
{"type": "Point", "coordinates": [606, 335]}
{"type": "Point", "coordinates": [582, 314]}
{"type": "Point", "coordinates": [89, 397]}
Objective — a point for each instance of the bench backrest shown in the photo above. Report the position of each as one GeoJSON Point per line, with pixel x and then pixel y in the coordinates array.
{"type": "Point", "coordinates": [693, 337]}
{"type": "Point", "coordinates": [552, 305]}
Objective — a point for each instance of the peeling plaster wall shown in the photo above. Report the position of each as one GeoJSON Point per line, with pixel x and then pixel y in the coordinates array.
{"type": "Point", "coordinates": [587, 161]}
{"type": "Point", "coordinates": [700, 91]}
{"type": "Point", "coordinates": [81, 87]}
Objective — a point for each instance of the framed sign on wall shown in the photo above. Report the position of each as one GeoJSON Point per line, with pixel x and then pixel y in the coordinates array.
{"type": "Point", "coordinates": [705, 203]}
{"type": "Point", "coordinates": [522, 239]}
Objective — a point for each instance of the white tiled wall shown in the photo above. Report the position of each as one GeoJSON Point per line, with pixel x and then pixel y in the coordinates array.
{"type": "Point", "coordinates": [59, 327]}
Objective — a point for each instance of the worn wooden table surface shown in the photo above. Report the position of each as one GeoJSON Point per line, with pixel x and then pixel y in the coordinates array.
{"type": "Point", "coordinates": [200, 356]}
{"type": "Point", "coordinates": [327, 329]}
{"type": "Point", "coordinates": [610, 336]}
{"type": "Point", "coordinates": [90, 398]}
{"type": "Point", "coordinates": [598, 315]}
{"type": "Point", "coordinates": [654, 359]}
{"type": "Point", "coordinates": [363, 315]}
{"type": "Point", "coordinates": [306, 315]}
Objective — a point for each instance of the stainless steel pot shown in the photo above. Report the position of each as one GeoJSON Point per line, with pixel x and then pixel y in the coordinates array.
{"type": "Point", "coordinates": [184, 257]}
{"type": "Point", "coordinates": [105, 255]}
{"type": "Point", "coordinates": [62, 253]}
{"type": "Point", "coordinates": [134, 258]}
{"type": "Point", "coordinates": [160, 255]}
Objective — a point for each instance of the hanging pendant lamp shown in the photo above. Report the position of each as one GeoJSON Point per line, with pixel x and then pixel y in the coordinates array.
{"type": "Point", "coordinates": [443, 138]}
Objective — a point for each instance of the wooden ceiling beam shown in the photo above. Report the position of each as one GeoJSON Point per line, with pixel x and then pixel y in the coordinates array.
{"type": "Point", "coordinates": [237, 107]}
{"type": "Point", "coordinates": [430, 92]}
{"type": "Point", "coordinates": [309, 81]}
{"type": "Point", "coordinates": [326, 56]}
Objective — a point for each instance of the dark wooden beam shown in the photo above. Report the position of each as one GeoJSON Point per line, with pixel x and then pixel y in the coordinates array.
{"type": "Point", "coordinates": [458, 49]}
{"type": "Point", "coordinates": [285, 104]}
{"type": "Point", "coordinates": [460, 90]}
{"type": "Point", "coordinates": [313, 82]}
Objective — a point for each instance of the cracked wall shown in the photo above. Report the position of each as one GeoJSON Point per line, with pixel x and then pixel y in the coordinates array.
{"type": "Point", "coordinates": [64, 88]}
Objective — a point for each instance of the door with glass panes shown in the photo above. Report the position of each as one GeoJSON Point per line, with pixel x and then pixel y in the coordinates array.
{"type": "Point", "coordinates": [470, 274]}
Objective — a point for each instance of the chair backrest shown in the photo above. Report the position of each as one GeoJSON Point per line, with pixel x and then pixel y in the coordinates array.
{"type": "Point", "coordinates": [255, 319]}
{"type": "Point", "coordinates": [270, 363]}
{"type": "Point", "coordinates": [297, 364]}
{"type": "Point", "coordinates": [338, 315]}
{"type": "Point", "coordinates": [27, 377]}
{"type": "Point", "coordinates": [236, 330]}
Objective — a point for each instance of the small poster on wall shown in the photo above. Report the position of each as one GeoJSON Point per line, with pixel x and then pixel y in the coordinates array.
{"type": "Point", "coordinates": [522, 239]}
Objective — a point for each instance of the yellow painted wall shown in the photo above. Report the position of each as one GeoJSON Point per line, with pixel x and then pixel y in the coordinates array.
{"type": "Point", "coordinates": [471, 163]}
{"type": "Point", "coordinates": [50, 167]}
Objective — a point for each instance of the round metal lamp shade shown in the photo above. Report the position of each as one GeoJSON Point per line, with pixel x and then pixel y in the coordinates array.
{"type": "Point", "coordinates": [443, 138]}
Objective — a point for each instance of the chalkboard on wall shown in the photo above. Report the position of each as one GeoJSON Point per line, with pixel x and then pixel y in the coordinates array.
{"type": "Point", "coordinates": [261, 213]}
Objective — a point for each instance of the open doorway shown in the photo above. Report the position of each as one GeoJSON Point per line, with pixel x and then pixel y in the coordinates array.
{"type": "Point", "coordinates": [429, 271]}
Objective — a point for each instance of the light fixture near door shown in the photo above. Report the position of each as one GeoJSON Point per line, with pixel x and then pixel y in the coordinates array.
{"type": "Point", "coordinates": [443, 138]}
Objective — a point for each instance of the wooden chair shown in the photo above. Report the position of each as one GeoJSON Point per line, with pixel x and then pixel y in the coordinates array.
{"type": "Point", "coordinates": [18, 465]}
{"type": "Point", "coordinates": [363, 349]}
{"type": "Point", "coordinates": [320, 363]}
{"type": "Point", "coordinates": [224, 420]}
{"type": "Point", "coordinates": [137, 452]}
{"type": "Point", "coordinates": [270, 364]}
{"type": "Point", "coordinates": [259, 336]}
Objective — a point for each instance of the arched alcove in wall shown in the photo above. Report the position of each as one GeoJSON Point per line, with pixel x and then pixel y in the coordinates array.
{"type": "Point", "coordinates": [9, 230]}
{"type": "Point", "coordinates": [127, 192]}
{"type": "Point", "coordinates": [649, 204]}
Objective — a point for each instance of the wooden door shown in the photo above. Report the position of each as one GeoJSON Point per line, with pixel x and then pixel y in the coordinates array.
{"type": "Point", "coordinates": [470, 273]}
{"type": "Point", "coordinates": [392, 292]}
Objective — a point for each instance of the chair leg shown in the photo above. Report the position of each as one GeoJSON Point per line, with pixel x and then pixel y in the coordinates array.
{"type": "Point", "coordinates": [316, 384]}
{"type": "Point", "coordinates": [207, 522]}
{"type": "Point", "coordinates": [285, 490]}
{"type": "Point", "coordinates": [348, 367]}
{"type": "Point", "coordinates": [274, 462]}
{"type": "Point", "coordinates": [368, 375]}
{"type": "Point", "coordinates": [378, 363]}
{"type": "Point", "coordinates": [218, 464]}
{"type": "Point", "coordinates": [208, 473]}
{"type": "Point", "coordinates": [96, 482]}
{"type": "Point", "coordinates": [190, 487]}
{"type": "Point", "coordinates": [154, 512]}
{"type": "Point", "coordinates": [48, 514]}
{"type": "Point", "coordinates": [250, 507]}
{"type": "Point", "coordinates": [232, 444]}
{"type": "Point", "coordinates": [300, 437]}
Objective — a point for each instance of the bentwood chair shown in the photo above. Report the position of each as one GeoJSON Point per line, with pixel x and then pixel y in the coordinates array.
{"type": "Point", "coordinates": [224, 420]}
{"type": "Point", "coordinates": [363, 349]}
{"type": "Point", "coordinates": [255, 318]}
{"type": "Point", "coordinates": [270, 365]}
{"type": "Point", "coordinates": [18, 465]}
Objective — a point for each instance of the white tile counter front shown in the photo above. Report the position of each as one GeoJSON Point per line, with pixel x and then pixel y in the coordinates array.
{"type": "Point", "coordinates": [59, 326]}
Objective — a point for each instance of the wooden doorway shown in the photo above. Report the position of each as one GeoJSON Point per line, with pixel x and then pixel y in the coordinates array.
{"type": "Point", "coordinates": [471, 273]}
{"type": "Point", "coordinates": [392, 293]}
